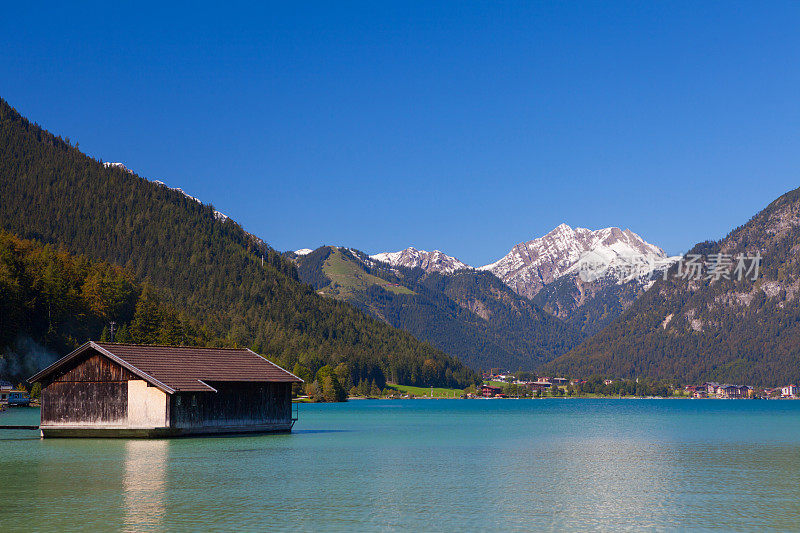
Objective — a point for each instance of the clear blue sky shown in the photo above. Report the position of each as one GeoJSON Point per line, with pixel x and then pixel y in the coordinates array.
{"type": "Point", "coordinates": [466, 127]}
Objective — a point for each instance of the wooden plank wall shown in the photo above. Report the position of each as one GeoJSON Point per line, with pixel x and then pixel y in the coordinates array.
{"type": "Point", "coordinates": [93, 390]}
{"type": "Point", "coordinates": [235, 404]}
{"type": "Point", "coordinates": [94, 367]}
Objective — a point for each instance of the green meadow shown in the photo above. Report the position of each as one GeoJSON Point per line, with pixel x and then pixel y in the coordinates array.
{"type": "Point", "coordinates": [438, 392]}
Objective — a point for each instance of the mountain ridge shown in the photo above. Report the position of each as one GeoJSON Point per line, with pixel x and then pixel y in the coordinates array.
{"type": "Point", "coordinates": [735, 330]}
{"type": "Point", "coordinates": [584, 277]}
{"type": "Point", "coordinates": [434, 261]}
{"type": "Point", "coordinates": [467, 313]}
{"type": "Point", "coordinates": [531, 265]}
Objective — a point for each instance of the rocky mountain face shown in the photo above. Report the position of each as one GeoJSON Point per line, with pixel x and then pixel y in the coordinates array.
{"type": "Point", "coordinates": [434, 261]}
{"type": "Point", "coordinates": [467, 313]}
{"type": "Point", "coordinates": [589, 306]}
{"type": "Point", "coordinates": [531, 265]}
{"type": "Point", "coordinates": [584, 277]}
{"type": "Point", "coordinates": [734, 316]}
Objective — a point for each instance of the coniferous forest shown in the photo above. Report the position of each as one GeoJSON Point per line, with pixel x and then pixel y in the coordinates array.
{"type": "Point", "coordinates": [53, 300]}
{"type": "Point", "coordinates": [191, 276]}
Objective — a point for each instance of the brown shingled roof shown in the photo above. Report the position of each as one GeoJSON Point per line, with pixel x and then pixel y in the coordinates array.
{"type": "Point", "coordinates": [184, 368]}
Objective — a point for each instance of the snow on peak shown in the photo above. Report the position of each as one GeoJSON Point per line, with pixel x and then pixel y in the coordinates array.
{"type": "Point", "coordinates": [435, 261]}
{"type": "Point", "coordinates": [122, 166]}
{"type": "Point", "coordinates": [116, 165]}
{"type": "Point", "coordinates": [217, 214]}
{"type": "Point", "coordinates": [303, 251]}
{"type": "Point", "coordinates": [531, 265]}
{"type": "Point", "coordinates": [561, 228]}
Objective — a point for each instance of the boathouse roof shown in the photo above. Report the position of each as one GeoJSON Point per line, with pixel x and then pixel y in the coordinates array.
{"type": "Point", "coordinates": [181, 368]}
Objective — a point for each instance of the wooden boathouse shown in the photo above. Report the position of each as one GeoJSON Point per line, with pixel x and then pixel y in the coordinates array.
{"type": "Point", "coordinates": [125, 390]}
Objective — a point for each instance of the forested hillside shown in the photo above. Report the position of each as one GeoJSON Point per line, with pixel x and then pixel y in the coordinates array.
{"type": "Point", "coordinates": [468, 313]}
{"type": "Point", "coordinates": [207, 266]}
{"type": "Point", "coordinates": [590, 306]}
{"type": "Point", "coordinates": [740, 331]}
{"type": "Point", "coordinates": [51, 301]}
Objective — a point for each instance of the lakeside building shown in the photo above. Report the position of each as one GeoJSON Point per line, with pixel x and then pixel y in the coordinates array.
{"type": "Point", "coordinates": [731, 392]}
{"type": "Point", "coordinates": [127, 390]}
{"type": "Point", "coordinates": [789, 391]}
{"type": "Point", "coordinates": [5, 389]}
{"type": "Point", "coordinates": [540, 385]}
{"type": "Point", "coordinates": [11, 397]}
{"type": "Point", "coordinates": [489, 391]}
{"type": "Point", "coordinates": [711, 389]}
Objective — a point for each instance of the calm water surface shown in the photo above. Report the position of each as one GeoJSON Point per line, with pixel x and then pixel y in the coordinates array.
{"type": "Point", "coordinates": [445, 465]}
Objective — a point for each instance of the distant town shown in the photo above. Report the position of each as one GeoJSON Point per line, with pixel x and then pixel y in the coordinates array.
{"type": "Point", "coordinates": [498, 385]}
{"type": "Point", "coordinates": [524, 385]}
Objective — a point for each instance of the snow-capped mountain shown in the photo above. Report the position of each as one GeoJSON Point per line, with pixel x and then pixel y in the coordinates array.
{"type": "Point", "coordinates": [586, 278]}
{"type": "Point", "coordinates": [434, 261]}
{"type": "Point", "coordinates": [621, 255]}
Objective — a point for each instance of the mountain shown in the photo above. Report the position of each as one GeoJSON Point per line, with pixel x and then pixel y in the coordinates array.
{"type": "Point", "coordinates": [713, 328]}
{"type": "Point", "coordinates": [434, 261]}
{"type": "Point", "coordinates": [586, 278]}
{"type": "Point", "coordinates": [531, 265]}
{"type": "Point", "coordinates": [200, 262]}
{"type": "Point", "coordinates": [466, 313]}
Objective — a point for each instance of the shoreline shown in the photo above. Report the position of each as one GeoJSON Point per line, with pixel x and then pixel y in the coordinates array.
{"type": "Point", "coordinates": [359, 398]}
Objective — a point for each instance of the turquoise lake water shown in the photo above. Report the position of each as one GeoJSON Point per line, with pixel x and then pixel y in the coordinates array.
{"type": "Point", "coordinates": [427, 465]}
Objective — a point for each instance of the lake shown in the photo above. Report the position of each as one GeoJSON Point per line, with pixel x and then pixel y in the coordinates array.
{"type": "Point", "coordinates": [427, 465]}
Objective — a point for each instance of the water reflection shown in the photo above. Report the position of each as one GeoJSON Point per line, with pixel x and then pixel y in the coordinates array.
{"type": "Point", "coordinates": [144, 484]}
{"type": "Point", "coordinates": [573, 465]}
{"type": "Point", "coordinates": [610, 481]}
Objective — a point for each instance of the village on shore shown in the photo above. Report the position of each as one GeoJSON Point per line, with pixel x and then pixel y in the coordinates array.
{"type": "Point", "coordinates": [523, 385]}
{"type": "Point", "coordinates": [498, 385]}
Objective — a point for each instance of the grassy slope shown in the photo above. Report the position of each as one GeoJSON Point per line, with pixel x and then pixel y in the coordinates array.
{"type": "Point", "coordinates": [347, 278]}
